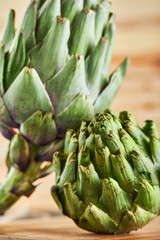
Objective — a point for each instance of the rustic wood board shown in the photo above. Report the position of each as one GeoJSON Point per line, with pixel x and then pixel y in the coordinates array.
{"type": "Point", "coordinates": [138, 37]}
{"type": "Point", "coordinates": [59, 228]}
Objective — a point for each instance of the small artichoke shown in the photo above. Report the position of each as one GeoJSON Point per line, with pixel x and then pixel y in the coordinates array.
{"type": "Point", "coordinates": [108, 175]}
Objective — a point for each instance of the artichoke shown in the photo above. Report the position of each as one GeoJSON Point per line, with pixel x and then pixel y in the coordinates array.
{"type": "Point", "coordinates": [108, 174]}
{"type": "Point", "coordinates": [54, 72]}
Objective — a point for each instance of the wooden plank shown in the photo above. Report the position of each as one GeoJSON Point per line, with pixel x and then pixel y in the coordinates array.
{"type": "Point", "coordinates": [60, 227]}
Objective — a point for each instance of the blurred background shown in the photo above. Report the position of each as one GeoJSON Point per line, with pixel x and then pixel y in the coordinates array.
{"type": "Point", "coordinates": [138, 36]}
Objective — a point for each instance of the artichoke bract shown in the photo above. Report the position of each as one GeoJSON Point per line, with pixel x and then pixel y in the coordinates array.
{"type": "Point", "coordinates": [54, 72]}
{"type": "Point", "coordinates": [108, 174]}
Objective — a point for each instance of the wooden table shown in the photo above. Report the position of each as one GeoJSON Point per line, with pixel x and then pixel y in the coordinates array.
{"type": "Point", "coordinates": [138, 36]}
{"type": "Point", "coordinates": [58, 228]}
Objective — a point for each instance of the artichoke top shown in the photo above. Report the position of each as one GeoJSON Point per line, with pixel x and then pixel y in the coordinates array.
{"type": "Point", "coordinates": [108, 174]}
{"type": "Point", "coordinates": [54, 69]}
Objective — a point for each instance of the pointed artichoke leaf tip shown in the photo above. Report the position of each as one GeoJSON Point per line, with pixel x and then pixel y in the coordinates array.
{"type": "Point", "coordinates": [9, 30]}
{"type": "Point", "coordinates": [106, 97]}
{"type": "Point", "coordinates": [26, 95]}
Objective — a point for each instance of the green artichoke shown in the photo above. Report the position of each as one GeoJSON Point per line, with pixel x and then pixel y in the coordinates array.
{"type": "Point", "coordinates": [54, 72]}
{"type": "Point", "coordinates": [108, 175]}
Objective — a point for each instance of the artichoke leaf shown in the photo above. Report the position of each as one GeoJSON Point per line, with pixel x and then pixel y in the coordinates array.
{"type": "Point", "coordinates": [106, 96]}
{"type": "Point", "coordinates": [56, 40]}
{"type": "Point", "coordinates": [9, 30]}
{"type": "Point", "coordinates": [70, 9]}
{"type": "Point", "coordinates": [39, 129]}
{"type": "Point", "coordinates": [102, 15]}
{"type": "Point", "coordinates": [94, 219]}
{"type": "Point", "coordinates": [72, 116]}
{"type": "Point", "coordinates": [28, 25]}
{"type": "Point", "coordinates": [74, 207]}
{"type": "Point", "coordinates": [2, 62]}
{"type": "Point", "coordinates": [94, 65]}
{"type": "Point", "coordinates": [26, 92]}
{"type": "Point", "coordinates": [114, 200]}
{"type": "Point", "coordinates": [46, 18]}
{"type": "Point", "coordinates": [67, 84]}
{"type": "Point", "coordinates": [15, 60]}
{"type": "Point", "coordinates": [80, 41]}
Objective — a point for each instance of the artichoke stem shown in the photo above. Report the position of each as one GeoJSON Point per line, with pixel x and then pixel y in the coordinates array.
{"type": "Point", "coordinates": [17, 184]}
{"type": "Point", "coordinates": [23, 173]}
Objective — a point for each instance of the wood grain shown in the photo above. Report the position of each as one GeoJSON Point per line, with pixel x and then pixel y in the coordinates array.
{"type": "Point", "coordinates": [138, 37]}
{"type": "Point", "coordinates": [59, 227]}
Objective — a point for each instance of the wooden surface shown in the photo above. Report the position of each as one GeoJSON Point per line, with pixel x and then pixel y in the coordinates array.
{"type": "Point", "coordinates": [138, 36]}
{"type": "Point", "coordinates": [59, 228]}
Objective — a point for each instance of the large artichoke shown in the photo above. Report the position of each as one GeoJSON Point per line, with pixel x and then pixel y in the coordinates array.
{"type": "Point", "coordinates": [54, 71]}
{"type": "Point", "coordinates": [108, 175]}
